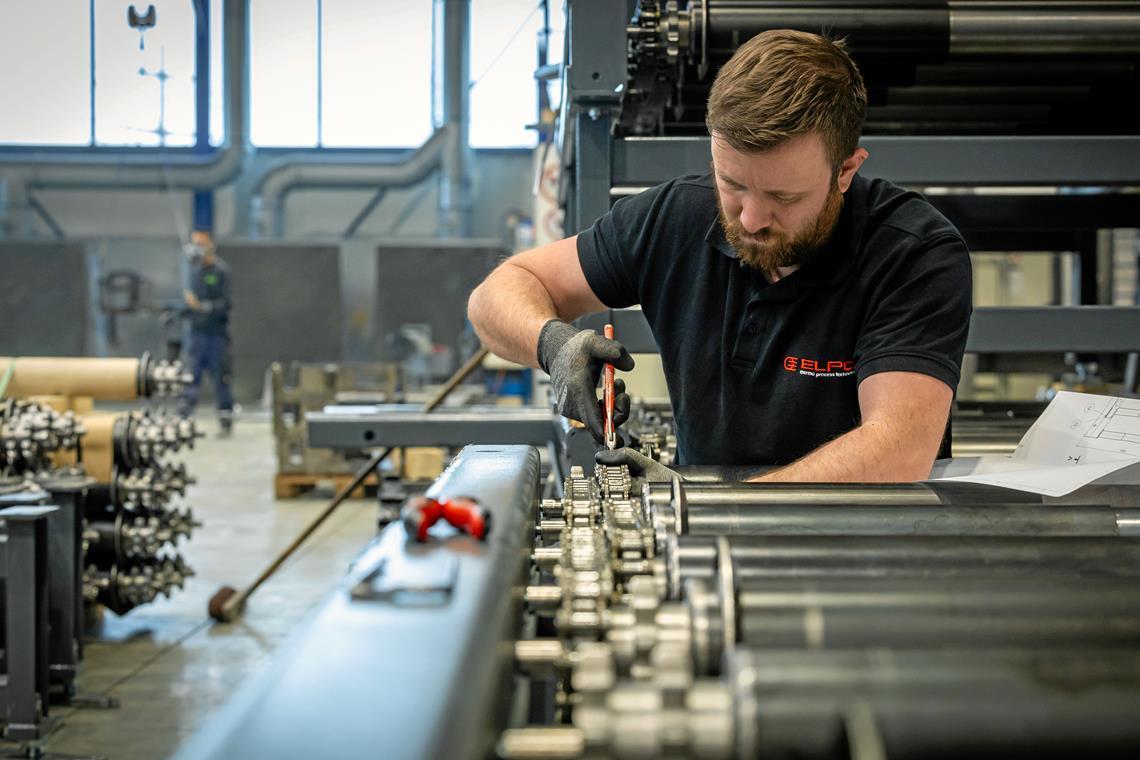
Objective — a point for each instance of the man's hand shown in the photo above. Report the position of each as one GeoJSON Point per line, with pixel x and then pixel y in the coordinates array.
{"type": "Point", "coordinates": [574, 361]}
{"type": "Point", "coordinates": [192, 300]}
{"type": "Point", "coordinates": [639, 464]}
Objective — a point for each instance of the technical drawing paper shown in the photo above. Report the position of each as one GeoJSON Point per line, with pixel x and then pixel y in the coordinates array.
{"type": "Point", "coordinates": [1078, 438]}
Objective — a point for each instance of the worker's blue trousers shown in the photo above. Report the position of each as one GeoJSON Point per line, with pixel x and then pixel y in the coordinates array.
{"type": "Point", "coordinates": [209, 352]}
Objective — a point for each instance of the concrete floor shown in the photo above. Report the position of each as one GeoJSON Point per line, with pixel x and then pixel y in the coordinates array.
{"type": "Point", "coordinates": [167, 663]}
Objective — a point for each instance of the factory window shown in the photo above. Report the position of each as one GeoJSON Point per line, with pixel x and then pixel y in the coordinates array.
{"type": "Point", "coordinates": [357, 73]}
{"type": "Point", "coordinates": [144, 81]}
{"type": "Point", "coordinates": [340, 73]}
{"type": "Point", "coordinates": [217, 75]}
{"type": "Point", "coordinates": [46, 80]}
{"type": "Point", "coordinates": [86, 77]}
{"type": "Point", "coordinates": [504, 98]}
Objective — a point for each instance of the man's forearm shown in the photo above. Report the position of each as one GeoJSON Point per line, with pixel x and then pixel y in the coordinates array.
{"type": "Point", "coordinates": [508, 311]}
{"type": "Point", "coordinates": [871, 453]}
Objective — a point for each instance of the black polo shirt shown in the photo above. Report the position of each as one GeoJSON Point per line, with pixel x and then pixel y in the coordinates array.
{"type": "Point", "coordinates": [763, 373]}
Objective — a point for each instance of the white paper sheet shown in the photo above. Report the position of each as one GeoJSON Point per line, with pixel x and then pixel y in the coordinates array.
{"type": "Point", "coordinates": [1078, 438]}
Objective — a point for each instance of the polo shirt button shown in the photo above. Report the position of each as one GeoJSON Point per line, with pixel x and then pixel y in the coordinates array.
{"type": "Point", "coordinates": [750, 328]}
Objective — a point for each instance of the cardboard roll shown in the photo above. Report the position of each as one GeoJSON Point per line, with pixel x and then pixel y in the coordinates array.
{"type": "Point", "coordinates": [101, 378]}
{"type": "Point", "coordinates": [122, 442]}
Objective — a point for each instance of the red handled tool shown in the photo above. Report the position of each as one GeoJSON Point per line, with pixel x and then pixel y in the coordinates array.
{"type": "Point", "coordinates": [608, 396]}
{"type": "Point", "coordinates": [422, 512]}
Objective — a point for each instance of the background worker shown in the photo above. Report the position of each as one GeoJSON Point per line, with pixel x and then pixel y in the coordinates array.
{"type": "Point", "coordinates": [208, 300]}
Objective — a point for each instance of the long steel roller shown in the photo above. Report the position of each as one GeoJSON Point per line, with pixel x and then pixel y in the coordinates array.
{"type": "Point", "coordinates": [996, 717]}
{"type": "Point", "coordinates": [913, 556]}
{"type": "Point", "coordinates": [913, 613]}
{"type": "Point", "coordinates": [910, 520]}
{"type": "Point", "coordinates": [931, 28]}
{"type": "Point", "coordinates": [838, 494]}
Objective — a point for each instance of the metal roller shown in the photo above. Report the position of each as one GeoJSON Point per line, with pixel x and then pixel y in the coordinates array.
{"type": "Point", "coordinates": [918, 613]}
{"type": "Point", "coordinates": [854, 670]}
{"type": "Point", "coordinates": [926, 29]}
{"type": "Point", "coordinates": [839, 494]}
{"type": "Point", "coordinates": [1050, 27]}
{"type": "Point", "coordinates": [792, 493]}
{"type": "Point", "coordinates": [905, 556]}
{"type": "Point", "coordinates": [908, 520]}
{"type": "Point", "coordinates": [914, 27]}
{"type": "Point", "coordinates": [1014, 718]}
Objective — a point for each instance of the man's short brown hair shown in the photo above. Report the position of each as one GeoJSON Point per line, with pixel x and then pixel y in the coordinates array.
{"type": "Point", "coordinates": [783, 83]}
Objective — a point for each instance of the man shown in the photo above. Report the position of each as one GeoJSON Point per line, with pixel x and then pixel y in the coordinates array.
{"type": "Point", "coordinates": [808, 318]}
{"type": "Point", "coordinates": [209, 303]}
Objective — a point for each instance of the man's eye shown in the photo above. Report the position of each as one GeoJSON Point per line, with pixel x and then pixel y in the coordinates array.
{"type": "Point", "coordinates": [786, 198]}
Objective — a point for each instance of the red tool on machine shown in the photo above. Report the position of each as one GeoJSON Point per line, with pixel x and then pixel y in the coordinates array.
{"type": "Point", "coordinates": [608, 396]}
{"type": "Point", "coordinates": [422, 512]}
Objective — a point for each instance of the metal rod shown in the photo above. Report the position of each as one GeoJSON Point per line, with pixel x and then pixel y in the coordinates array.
{"type": "Point", "coordinates": [843, 494]}
{"type": "Point", "coordinates": [907, 520]}
{"type": "Point", "coordinates": [365, 212]}
{"type": "Point", "coordinates": [460, 375]}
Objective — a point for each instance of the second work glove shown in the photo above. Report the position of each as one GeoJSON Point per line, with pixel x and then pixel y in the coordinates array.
{"type": "Point", "coordinates": [574, 359]}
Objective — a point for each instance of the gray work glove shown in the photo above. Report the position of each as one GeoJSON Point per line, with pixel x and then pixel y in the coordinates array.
{"type": "Point", "coordinates": [639, 464]}
{"type": "Point", "coordinates": [574, 358]}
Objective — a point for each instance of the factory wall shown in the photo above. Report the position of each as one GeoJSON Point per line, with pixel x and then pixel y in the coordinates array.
{"type": "Point", "coordinates": [142, 232]}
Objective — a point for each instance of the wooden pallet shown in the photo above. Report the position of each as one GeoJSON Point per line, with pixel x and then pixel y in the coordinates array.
{"type": "Point", "coordinates": [290, 485]}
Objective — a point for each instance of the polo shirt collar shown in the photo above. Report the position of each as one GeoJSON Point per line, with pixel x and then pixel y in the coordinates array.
{"type": "Point", "coordinates": [714, 236]}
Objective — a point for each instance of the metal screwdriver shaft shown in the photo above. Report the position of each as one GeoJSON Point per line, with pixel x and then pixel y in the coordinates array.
{"type": "Point", "coordinates": [608, 393]}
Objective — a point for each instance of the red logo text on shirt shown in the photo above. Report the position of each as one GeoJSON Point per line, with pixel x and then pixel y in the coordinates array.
{"type": "Point", "coordinates": [819, 367]}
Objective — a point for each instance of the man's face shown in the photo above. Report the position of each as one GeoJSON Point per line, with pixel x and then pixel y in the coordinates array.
{"type": "Point", "coordinates": [201, 247]}
{"type": "Point", "coordinates": [780, 206]}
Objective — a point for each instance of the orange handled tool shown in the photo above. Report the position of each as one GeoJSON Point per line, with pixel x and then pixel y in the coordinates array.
{"type": "Point", "coordinates": [608, 396]}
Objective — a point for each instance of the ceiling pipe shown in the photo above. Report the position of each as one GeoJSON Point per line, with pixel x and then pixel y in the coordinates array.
{"type": "Point", "coordinates": [143, 168]}
{"type": "Point", "coordinates": [295, 171]}
{"type": "Point", "coordinates": [452, 78]}
{"type": "Point", "coordinates": [13, 203]}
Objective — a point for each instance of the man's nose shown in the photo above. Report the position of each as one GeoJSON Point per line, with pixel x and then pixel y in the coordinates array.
{"type": "Point", "coordinates": [754, 217]}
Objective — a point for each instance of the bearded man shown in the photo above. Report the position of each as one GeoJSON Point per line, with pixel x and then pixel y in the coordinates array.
{"type": "Point", "coordinates": [808, 318]}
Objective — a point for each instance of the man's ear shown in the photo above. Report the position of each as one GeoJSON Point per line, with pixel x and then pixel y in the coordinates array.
{"type": "Point", "coordinates": [848, 168]}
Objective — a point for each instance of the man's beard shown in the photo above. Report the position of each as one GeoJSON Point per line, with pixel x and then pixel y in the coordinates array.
{"type": "Point", "coordinates": [777, 249]}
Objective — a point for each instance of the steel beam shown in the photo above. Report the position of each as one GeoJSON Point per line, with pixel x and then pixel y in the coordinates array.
{"type": "Point", "coordinates": [920, 161]}
{"type": "Point", "coordinates": [1089, 329]}
{"type": "Point", "coordinates": [412, 656]}
{"type": "Point", "coordinates": [1018, 330]}
{"type": "Point", "coordinates": [393, 425]}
